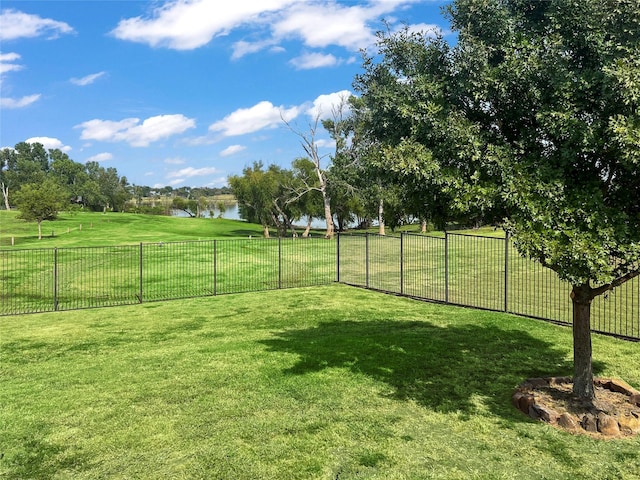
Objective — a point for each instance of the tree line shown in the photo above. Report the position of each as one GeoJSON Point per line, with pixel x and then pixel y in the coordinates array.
{"type": "Point", "coordinates": [40, 183]}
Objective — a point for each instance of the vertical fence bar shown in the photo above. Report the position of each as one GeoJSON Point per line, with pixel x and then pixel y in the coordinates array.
{"type": "Point", "coordinates": [446, 267]}
{"type": "Point", "coordinates": [338, 257]}
{"type": "Point", "coordinates": [215, 267]}
{"type": "Point", "coordinates": [366, 260]}
{"type": "Point", "coordinates": [506, 272]}
{"type": "Point", "coordinates": [279, 262]}
{"type": "Point", "coordinates": [55, 279]}
{"type": "Point", "coordinates": [401, 263]}
{"type": "Point", "coordinates": [141, 277]}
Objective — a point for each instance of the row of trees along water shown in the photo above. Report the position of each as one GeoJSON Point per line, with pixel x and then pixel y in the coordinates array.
{"type": "Point", "coordinates": [40, 183]}
{"type": "Point", "coordinates": [531, 118]}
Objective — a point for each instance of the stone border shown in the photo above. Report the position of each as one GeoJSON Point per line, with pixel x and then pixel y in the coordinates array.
{"type": "Point", "coordinates": [594, 421]}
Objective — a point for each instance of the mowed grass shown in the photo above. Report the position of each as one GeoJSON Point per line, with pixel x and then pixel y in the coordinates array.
{"type": "Point", "coordinates": [85, 229]}
{"type": "Point", "coordinates": [326, 382]}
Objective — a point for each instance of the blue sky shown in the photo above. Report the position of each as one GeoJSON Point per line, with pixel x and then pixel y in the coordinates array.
{"type": "Point", "coordinates": [184, 92]}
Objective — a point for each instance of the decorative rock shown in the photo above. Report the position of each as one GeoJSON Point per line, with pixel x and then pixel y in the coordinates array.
{"type": "Point", "coordinates": [525, 402]}
{"type": "Point", "coordinates": [567, 422]}
{"type": "Point", "coordinates": [546, 414]}
{"type": "Point", "coordinates": [621, 386]}
{"type": "Point", "coordinates": [607, 425]}
{"type": "Point", "coordinates": [515, 398]}
{"type": "Point", "coordinates": [630, 423]}
{"type": "Point", "coordinates": [589, 423]}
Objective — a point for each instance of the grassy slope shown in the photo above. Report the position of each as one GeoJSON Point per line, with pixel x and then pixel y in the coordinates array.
{"type": "Point", "coordinates": [330, 382]}
{"type": "Point", "coordinates": [91, 229]}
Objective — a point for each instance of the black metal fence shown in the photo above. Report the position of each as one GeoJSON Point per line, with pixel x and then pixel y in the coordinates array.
{"type": "Point", "coordinates": [42, 280]}
{"type": "Point", "coordinates": [480, 272]}
{"type": "Point", "coordinates": [473, 271]}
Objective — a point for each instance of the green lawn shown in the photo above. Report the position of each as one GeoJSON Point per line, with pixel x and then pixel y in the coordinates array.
{"type": "Point", "coordinates": [324, 382]}
{"type": "Point", "coordinates": [84, 229]}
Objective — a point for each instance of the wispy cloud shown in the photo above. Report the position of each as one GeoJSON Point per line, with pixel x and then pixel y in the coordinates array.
{"type": "Point", "coordinates": [15, 24]}
{"type": "Point", "coordinates": [192, 172]}
{"type": "Point", "coordinates": [7, 63]}
{"type": "Point", "coordinates": [87, 80]}
{"type": "Point", "coordinates": [137, 134]}
{"type": "Point", "coordinates": [314, 60]}
{"type": "Point", "coordinates": [232, 150]}
{"type": "Point", "coordinates": [25, 101]}
{"type": "Point", "coordinates": [100, 157]}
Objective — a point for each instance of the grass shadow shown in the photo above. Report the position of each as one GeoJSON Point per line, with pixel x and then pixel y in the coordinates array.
{"type": "Point", "coordinates": [447, 369]}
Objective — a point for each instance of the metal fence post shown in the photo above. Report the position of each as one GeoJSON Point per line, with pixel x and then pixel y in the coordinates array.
{"type": "Point", "coordinates": [446, 267]}
{"type": "Point", "coordinates": [506, 272]}
{"type": "Point", "coordinates": [338, 258]}
{"type": "Point", "coordinates": [401, 263]}
{"type": "Point", "coordinates": [55, 279]}
{"type": "Point", "coordinates": [279, 262]}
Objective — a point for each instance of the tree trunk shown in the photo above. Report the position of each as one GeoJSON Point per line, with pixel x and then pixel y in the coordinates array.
{"type": "Point", "coordinates": [5, 195]}
{"type": "Point", "coordinates": [266, 231]}
{"type": "Point", "coordinates": [381, 217]}
{"type": "Point", "coordinates": [307, 229]}
{"type": "Point", "coordinates": [581, 296]}
{"type": "Point", "coordinates": [40, 230]}
{"type": "Point", "coordinates": [423, 226]}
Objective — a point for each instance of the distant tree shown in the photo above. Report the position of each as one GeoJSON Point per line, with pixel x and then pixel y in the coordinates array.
{"type": "Point", "coordinates": [38, 202]}
{"type": "Point", "coordinates": [222, 208]}
{"type": "Point", "coordinates": [255, 191]}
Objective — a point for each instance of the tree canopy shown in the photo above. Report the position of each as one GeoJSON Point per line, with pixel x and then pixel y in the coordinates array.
{"type": "Point", "coordinates": [532, 117]}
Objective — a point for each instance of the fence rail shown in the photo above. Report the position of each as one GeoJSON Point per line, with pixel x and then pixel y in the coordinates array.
{"type": "Point", "coordinates": [43, 280]}
{"type": "Point", "coordinates": [473, 271]}
{"type": "Point", "coordinates": [480, 272]}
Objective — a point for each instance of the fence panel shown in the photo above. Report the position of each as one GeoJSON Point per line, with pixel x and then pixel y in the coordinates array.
{"type": "Point", "coordinates": [536, 291]}
{"type": "Point", "coordinates": [476, 267]}
{"type": "Point", "coordinates": [177, 270]}
{"type": "Point", "coordinates": [307, 262]}
{"type": "Point", "coordinates": [384, 262]}
{"type": "Point", "coordinates": [27, 281]}
{"type": "Point", "coordinates": [352, 268]}
{"type": "Point", "coordinates": [89, 277]}
{"type": "Point", "coordinates": [423, 267]}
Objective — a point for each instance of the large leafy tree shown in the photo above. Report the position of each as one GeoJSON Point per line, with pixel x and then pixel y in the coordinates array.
{"type": "Point", "coordinates": [543, 106]}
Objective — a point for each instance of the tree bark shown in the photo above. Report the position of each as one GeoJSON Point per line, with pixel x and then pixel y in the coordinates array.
{"type": "Point", "coordinates": [307, 229]}
{"type": "Point", "coordinates": [581, 296]}
{"type": "Point", "coordinates": [5, 195]}
{"type": "Point", "coordinates": [266, 231]}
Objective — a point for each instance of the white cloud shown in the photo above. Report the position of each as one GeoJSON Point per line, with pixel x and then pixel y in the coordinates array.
{"type": "Point", "coordinates": [324, 105]}
{"type": "Point", "coordinates": [87, 80]}
{"type": "Point", "coordinates": [7, 62]}
{"type": "Point", "coordinates": [248, 120]}
{"type": "Point", "coordinates": [323, 24]}
{"type": "Point", "coordinates": [49, 143]}
{"type": "Point", "coordinates": [192, 172]}
{"type": "Point", "coordinates": [308, 61]}
{"type": "Point", "coordinates": [27, 100]}
{"type": "Point", "coordinates": [100, 157]}
{"type": "Point", "coordinates": [15, 24]}
{"type": "Point", "coordinates": [242, 48]}
{"type": "Point", "coordinates": [232, 150]}
{"type": "Point", "coordinates": [137, 134]}
{"type": "Point", "coordinates": [189, 24]}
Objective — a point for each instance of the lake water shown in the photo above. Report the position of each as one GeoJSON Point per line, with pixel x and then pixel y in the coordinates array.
{"type": "Point", "coordinates": [232, 212]}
